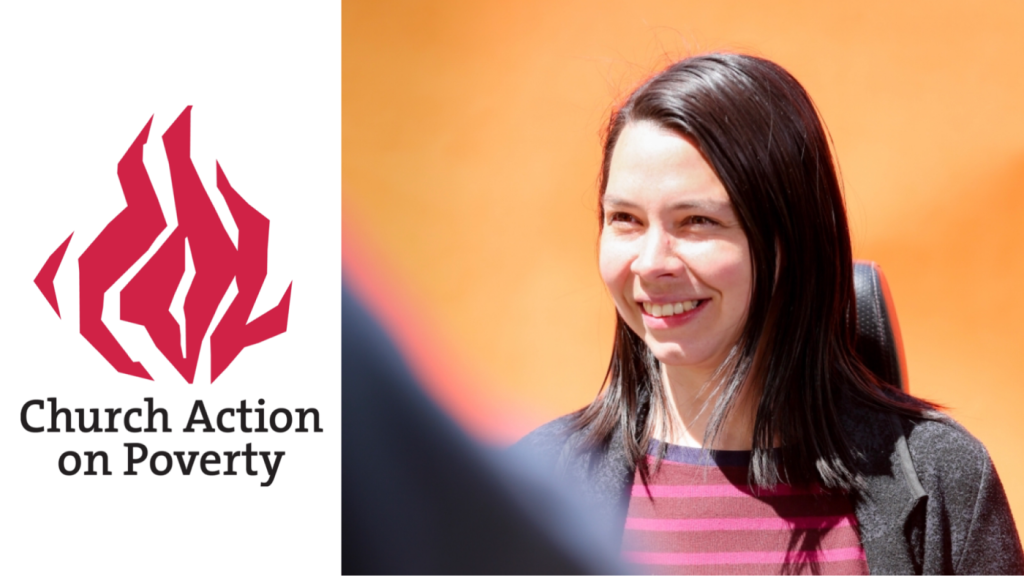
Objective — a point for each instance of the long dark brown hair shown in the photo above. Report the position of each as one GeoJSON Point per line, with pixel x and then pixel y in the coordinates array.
{"type": "Point", "coordinates": [760, 132]}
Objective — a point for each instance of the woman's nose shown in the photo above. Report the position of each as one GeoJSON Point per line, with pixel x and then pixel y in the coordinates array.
{"type": "Point", "coordinates": [657, 256]}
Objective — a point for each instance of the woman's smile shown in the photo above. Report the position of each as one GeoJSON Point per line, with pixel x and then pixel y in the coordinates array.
{"type": "Point", "coordinates": [670, 315]}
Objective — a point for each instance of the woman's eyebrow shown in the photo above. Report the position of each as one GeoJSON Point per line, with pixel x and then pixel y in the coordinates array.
{"type": "Point", "coordinates": [618, 202]}
{"type": "Point", "coordinates": [703, 205]}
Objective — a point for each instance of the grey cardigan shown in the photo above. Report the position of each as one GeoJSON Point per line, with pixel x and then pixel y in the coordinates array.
{"type": "Point", "coordinates": [933, 503]}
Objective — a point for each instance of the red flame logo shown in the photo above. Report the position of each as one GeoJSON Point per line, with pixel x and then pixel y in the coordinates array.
{"type": "Point", "coordinates": [147, 298]}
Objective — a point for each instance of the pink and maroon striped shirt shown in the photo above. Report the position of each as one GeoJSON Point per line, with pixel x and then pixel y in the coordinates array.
{"type": "Point", "coordinates": [699, 516]}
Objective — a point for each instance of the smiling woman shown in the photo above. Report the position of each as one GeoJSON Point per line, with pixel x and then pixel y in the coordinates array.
{"type": "Point", "coordinates": [673, 253]}
{"type": "Point", "coordinates": [738, 430]}
{"type": "Point", "coordinates": [675, 259]}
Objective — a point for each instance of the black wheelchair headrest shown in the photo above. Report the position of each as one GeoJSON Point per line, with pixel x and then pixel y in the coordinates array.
{"type": "Point", "coordinates": [879, 344]}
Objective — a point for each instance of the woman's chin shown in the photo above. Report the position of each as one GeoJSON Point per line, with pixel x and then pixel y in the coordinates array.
{"type": "Point", "coordinates": [677, 355]}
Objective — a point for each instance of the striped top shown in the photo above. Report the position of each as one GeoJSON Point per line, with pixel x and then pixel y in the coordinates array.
{"type": "Point", "coordinates": [699, 516]}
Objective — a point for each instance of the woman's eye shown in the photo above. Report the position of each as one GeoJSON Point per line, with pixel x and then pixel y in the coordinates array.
{"type": "Point", "coordinates": [621, 217]}
{"type": "Point", "coordinates": [699, 221]}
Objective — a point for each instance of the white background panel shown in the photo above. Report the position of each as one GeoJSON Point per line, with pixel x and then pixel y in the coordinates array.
{"type": "Point", "coordinates": [79, 83]}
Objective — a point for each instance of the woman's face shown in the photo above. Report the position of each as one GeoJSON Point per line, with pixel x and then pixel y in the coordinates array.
{"type": "Point", "coordinates": [673, 254]}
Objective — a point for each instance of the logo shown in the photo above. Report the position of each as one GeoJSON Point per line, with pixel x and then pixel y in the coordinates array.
{"type": "Point", "coordinates": [175, 295]}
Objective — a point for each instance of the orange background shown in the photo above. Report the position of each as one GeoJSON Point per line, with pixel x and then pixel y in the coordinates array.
{"type": "Point", "coordinates": [470, 156]}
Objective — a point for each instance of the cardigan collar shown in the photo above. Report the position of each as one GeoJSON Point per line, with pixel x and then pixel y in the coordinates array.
{"type": "Point", "coordinates": [892, 491]}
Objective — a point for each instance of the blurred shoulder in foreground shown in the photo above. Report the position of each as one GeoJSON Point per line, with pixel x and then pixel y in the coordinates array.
{"type": "Point", "coordinates": [419, 496]}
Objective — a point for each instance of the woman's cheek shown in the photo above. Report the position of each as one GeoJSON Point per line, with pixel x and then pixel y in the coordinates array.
{"type": "Point", "coordinates": [614, 263]}
{"type": "Point", "coordinates": [722, 263]}
{"type": "Point", "coordinates": [609, 261]}
{"type": "Point", "coordinates": [733, 276]}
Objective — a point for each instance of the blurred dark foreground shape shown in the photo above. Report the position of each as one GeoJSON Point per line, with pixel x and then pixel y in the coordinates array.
{"type": "Point", "coordinates": [418, 496]}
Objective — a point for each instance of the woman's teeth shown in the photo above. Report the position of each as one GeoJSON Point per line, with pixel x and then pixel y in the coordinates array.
{"type": "Point", "coordinates": [659, 310]}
